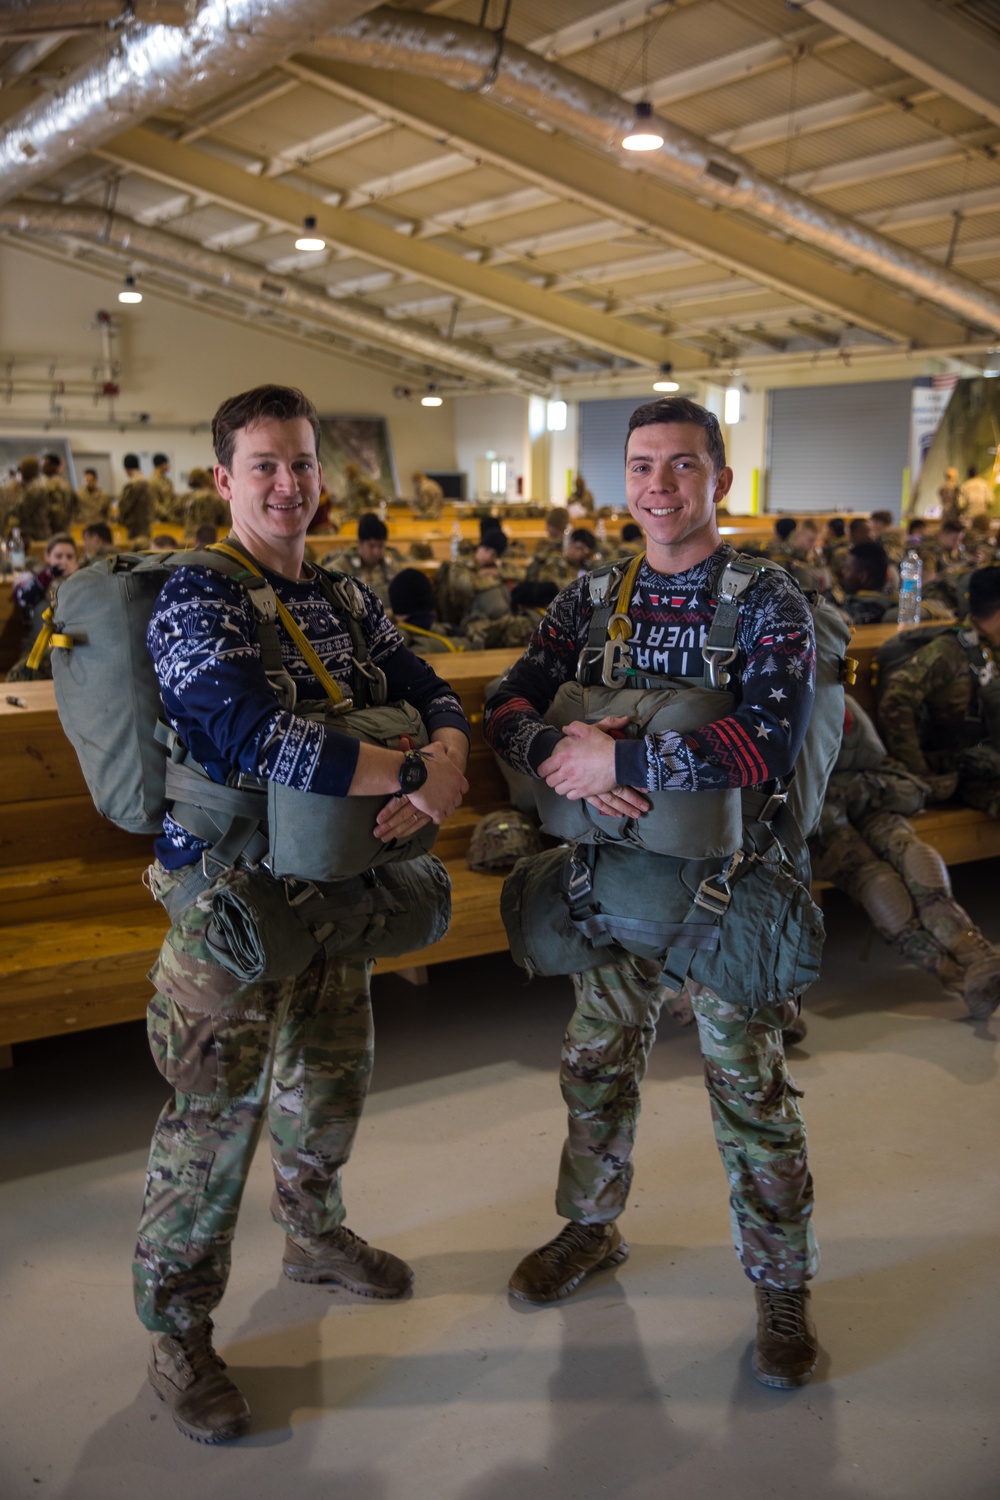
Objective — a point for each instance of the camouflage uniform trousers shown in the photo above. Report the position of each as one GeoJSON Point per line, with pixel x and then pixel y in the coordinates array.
{"type": "Point", "coordinates": [298, 1052]}
{"type": "Point", "coordinates": [904, 887]}
{"type": "Point", "coordinates": [758, 1126]}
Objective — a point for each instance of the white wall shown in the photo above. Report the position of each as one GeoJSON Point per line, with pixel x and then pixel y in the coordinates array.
{"type": "Point", "coordinates": [495, 423]}
{"type": "Point", "coordinates": [178, 364]}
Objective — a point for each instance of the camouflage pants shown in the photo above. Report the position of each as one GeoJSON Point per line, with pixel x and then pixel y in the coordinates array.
{"type": "Point", "coordinates": [297, 1052]}
{"type": "Point", "coordinates": [904, 886]}
{"type": "Point", "coordinates": [758, 1126]}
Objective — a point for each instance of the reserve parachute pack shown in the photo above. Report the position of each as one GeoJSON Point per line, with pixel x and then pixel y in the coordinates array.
{"type": "Point", "coordinates": [711, 885]}
{"type": "Point", "coordinates": [135, 767]}
{"type": "Point", "coordinates": [706, 824]}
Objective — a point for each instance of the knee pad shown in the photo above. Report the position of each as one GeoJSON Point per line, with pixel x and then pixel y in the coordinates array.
{"type": "Point", "coordinates": [886, 900]}
{"type": "Point", "coordinates": [924, 869]}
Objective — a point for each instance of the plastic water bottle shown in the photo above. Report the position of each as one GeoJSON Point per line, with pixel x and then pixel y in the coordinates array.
{"type": "Point", "coordinates": [456, 538]}
{"type": "Point", "coordinates": [17, 550]}
{"type": "Point", "coordinates": [911, 572]}
{"type": "Point", "coordinates": [602, 536]}
{"type": "Point", "coordinates": [567, 533]}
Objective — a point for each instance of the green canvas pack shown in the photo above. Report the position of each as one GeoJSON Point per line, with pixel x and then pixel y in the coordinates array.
{"type": "Point", "coordinates": [691, 825]}
{"type": "Point", "coordinates": [109, 705]}
{"type": "Point", "coordinates": [746, 928]}
{"type": "Point", "coordinates": [606, 662]}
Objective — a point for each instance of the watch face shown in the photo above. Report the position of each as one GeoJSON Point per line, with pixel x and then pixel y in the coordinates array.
{"type": "Point", "coordinates": [413, 773]}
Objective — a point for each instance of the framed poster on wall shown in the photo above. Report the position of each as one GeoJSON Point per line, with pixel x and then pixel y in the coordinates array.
{"type": "Point", "coordinates": [360, 440]}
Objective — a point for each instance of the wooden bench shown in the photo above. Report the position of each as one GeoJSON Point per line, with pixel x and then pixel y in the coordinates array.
{"type": "Point", "coordinates": [78, 931]}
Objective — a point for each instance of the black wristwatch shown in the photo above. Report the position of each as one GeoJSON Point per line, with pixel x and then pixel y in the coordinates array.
{"type": "Point", "coordinates": [412, 773]}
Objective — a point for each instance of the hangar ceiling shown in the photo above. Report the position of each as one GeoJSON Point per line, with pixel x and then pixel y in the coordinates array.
{"type": "Point", "coordinates": [829, 178]}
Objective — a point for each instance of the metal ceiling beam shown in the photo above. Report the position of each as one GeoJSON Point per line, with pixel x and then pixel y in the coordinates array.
{"type": "Point", "coordinates": [562, 167]}
{"type": "Point", "coordinates": [561, 100]}
{"type": "Point", "coordinates": [187, 168]}
{"type": "Point", "coordinates": [888, 163]}
{"type": "Point", "coordinates": [929, 41]}
{"type": "Point", "coordinates": [615, 21]}
{"type": "Point", "coordinates": [845, 109]}
{"type": "Point", "coordinates": [217, 273]}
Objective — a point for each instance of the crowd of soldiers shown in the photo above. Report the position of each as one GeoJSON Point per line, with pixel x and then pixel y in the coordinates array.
{"type": "Point", "coordinates": [40, 502]}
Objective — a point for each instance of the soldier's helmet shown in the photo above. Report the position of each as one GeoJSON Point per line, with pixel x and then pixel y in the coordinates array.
{"type": "Point", "coordinates": [500, 839]}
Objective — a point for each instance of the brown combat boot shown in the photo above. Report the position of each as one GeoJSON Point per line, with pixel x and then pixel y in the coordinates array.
{"type": "Point", "coordinates": [980, 982]}
{"type": "Point", "coordinates": [186, 1373]}
{"type": "Point", "coordinates": [346, 1259]}
{"type": "Point", "coordinates": [557, 1269]}
{"type": "Point", "coordinates": [786, 1349]}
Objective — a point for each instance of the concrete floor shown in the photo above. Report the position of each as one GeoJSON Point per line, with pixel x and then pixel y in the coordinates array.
{"type": "Point", "coordinates": [639, 1386]}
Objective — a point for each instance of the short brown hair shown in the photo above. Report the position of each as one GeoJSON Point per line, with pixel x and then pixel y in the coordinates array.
{"type": "Point", "coordinates": [680, 409]}
{"type": "Point", "coordinates": [61, 539]}
{"type": "Point", "coordinates": [283, 402]}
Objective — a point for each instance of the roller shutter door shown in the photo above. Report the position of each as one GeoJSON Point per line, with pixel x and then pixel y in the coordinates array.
{"type": "Point", "coordinates": [840, 446]}
{"type": "Point", "coordinates": [603, 425]}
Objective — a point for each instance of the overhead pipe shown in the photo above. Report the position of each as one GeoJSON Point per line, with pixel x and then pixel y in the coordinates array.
{"type": "Point", "coordinates": [469, 57]}
{"type": "Point", "coordinates": [159, 67]}
{"type": "Point", "coordinates": [157, 247]}
{"type": "Point", "coordinates": [27, 18]}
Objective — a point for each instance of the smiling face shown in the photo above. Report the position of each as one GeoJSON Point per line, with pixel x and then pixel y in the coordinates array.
{"type": "Point", "coordinates": [672, 489]}
{"type": "Point", "coordinates": [272, 486]}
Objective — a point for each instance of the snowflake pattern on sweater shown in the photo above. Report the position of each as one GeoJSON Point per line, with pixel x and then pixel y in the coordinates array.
{"type": "Point", "coordinates": [217, 697]}
{"type": "Point", "coordinates": [773, 678]}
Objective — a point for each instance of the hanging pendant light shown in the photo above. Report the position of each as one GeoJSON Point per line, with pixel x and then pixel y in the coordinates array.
{"type": "Point", "coordinates": [129, 292]}
{"type": "Point", "coordinates": [309, 239]}
{"type": "Point", "coordinates": [643, 136]}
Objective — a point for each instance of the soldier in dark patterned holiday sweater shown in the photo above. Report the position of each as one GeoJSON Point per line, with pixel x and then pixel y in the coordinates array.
{"type": "Point", "coordinates": [294, 1053]}
{"type": "Point", "coordinates": [675, 476]}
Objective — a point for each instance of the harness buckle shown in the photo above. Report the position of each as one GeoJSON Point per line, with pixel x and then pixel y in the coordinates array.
{"type": "Point", "coordinates": [579, 882]}
{"type": "Point", "coordinates": [717, 659]}
{"type": "Point", "coordinates": [616, 663]}
{"type": "Point", "coordinates": [713, 894]}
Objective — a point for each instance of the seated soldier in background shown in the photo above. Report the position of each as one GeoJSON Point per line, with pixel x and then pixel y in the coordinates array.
{"type": "Point", "coordinates": [551, 543]}
{"type": "Point", "coordinates": [940, 711]}
{"type": "Point", "coordinates": [411, 600]}
{"type": "Point", "coordinates": [361, 493]}
{"type": "Point", "coordinates": [779, 547]}
{"type": "Point", "coordinates": [97, 541]}
{"type": "Point", "coordinates": [980, 542]}
{"type": "Point", "coordinates": [428, 496]}
{"type": "Point", "coordinates": [202, 505]}
{"type": "Point", "coordinates": [581, 550]}
{"type": "Point", "coordinates": [862, 597]}
{"type": "Point", "coordinates": [32, 595]}
{"type": "Point", "coordinates": [884, 530]}
{"type": "Point", "coordinates": [92, 503]}
{"type": "Point", "coordinates": [806, 564]}
{"type": "Point", "coordinates": [163, 542]}
{"type": "Point", "coordinates": [581, 501]}
{"type": "Point", "coordinates": [367, 559]}
{"type": "Point", "coordinates": [947, 564]}
{"type": "Point", "coordinates": [867, 847]}
{"type": "Point", "coordinates": [632, 541]}
{"type": "Point", "coordinates": [476, 600]}
{"type": "Point", "coordinates": [858, 531]}
{"type": "Point", "coordinates": [206, 536]}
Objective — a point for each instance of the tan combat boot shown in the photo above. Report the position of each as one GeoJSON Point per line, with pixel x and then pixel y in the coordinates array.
{"type": "Point", "coordinates": [556, 1269]}
{"type": "Point", "coordinates": [980, 982]}
{"type": "Point", "coordinates": [786, 1350]}
{"type": "Point", "coordinates": [346, 1259]}
{"type": "Point", "coordinates": [186, 1373]}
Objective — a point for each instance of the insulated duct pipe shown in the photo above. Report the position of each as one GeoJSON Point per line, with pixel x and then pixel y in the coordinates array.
{"type": "Point", "coordinates": [472, 58]}
{"type": "Point", "coordinates": [160, 67]}
{"type": "Point", "coordinates": [156, 247]}
{"type": "Point", "coordinates": [24, 18]}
